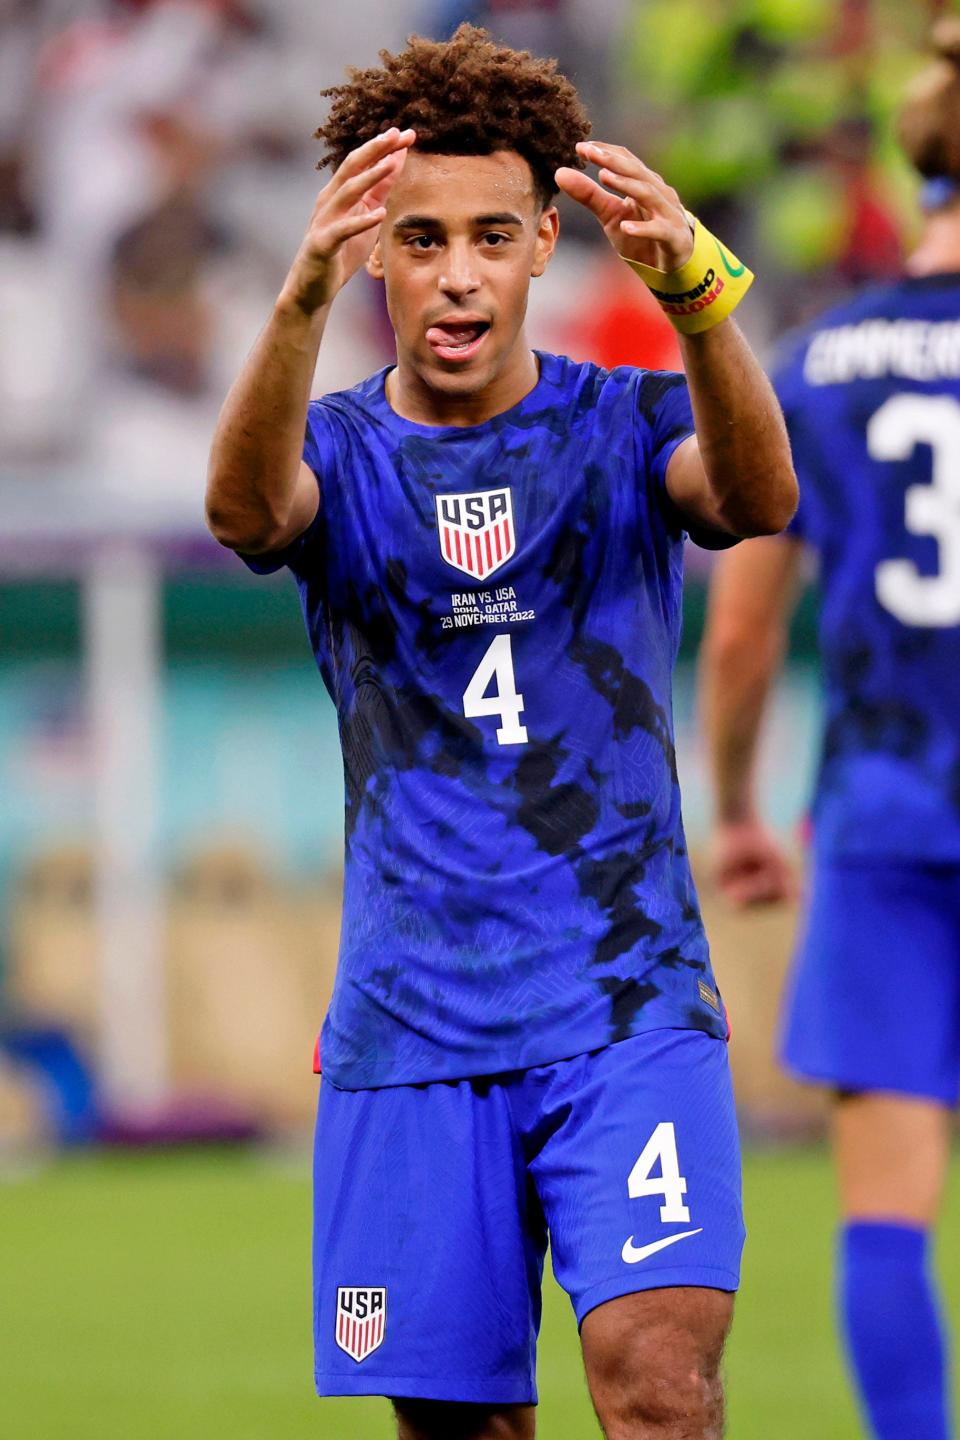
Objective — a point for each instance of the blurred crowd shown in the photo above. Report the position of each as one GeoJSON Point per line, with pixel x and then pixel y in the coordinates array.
{"type": "Point", "coordinates": [156, 175]}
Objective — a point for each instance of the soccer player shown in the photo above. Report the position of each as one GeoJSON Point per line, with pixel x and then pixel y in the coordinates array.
{"type": "Point", "coordinates": [525, 1036]}
{"type": "Point", "coordinates": [872, 399]}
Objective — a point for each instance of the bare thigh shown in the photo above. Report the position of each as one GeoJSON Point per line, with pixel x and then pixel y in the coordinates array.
{"type": "Point", "coordinates": [891, 1154]}
{"type": "Point", "coordinates": [653, 1363]}
{"type": "Point", "coordinates": [439, 1420]}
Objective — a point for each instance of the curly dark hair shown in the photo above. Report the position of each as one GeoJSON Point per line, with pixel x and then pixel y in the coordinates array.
{"type": "Point", "coordinates": [463, 96]}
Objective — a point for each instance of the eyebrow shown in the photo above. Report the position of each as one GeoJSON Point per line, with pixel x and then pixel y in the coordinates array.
{"type": "Point", "coordinates": [503, 217]}
{"type": "Point", "coordinates": [430, 222]}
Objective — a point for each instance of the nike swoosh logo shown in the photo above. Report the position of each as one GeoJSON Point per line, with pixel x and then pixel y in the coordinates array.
{"type": "Point", "coordinates": [632, 1253]}
{"type": "Point", "coordinates": [726, 263]}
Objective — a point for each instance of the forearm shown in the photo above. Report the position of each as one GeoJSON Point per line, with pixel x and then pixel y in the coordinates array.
{"type": "Point", "coordinates": [752, 594]}
{"type": "Point", "coordinates": [258, 443]}
{"type": "Point", "coordinates": [742, 439]}
{"type": "Point", "coordinates": [260, 495]}
{"type": "Point", "coordinates": [736, 679]}
{"type": "Point", "coordinates": [741, 478]}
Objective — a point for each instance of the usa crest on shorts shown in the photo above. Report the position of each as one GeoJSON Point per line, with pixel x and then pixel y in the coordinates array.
{"type": "Point", "coordinates": [477, 534]}
{"type": "Point", "coordinates": [361, 1320]}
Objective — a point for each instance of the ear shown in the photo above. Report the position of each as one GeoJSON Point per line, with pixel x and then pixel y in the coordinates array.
{"type": "Point", "coordinates": [375, 261]}
{"type": "Point", "coordinates": [545, 244]}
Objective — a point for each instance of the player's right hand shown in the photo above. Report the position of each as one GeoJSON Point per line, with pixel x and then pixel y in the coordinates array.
{"type": "Point", "coordinates": [343, 228]}
{"type": "Point", "coordinates": [748, 865]}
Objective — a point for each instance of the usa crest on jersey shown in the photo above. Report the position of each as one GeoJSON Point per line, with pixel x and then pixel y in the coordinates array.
{"type": "Point", "coordinates": [361, 1319]}
{"type": "Point", "coordinates": [476, 531]}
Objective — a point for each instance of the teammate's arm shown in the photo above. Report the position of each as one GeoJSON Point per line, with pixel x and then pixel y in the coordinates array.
{"type": "Point", "coordinates": [260, 494]}
{"type": "Point", "coordinates": [752, 594]}
{"type": "Point", "coordinates": [736, 474]}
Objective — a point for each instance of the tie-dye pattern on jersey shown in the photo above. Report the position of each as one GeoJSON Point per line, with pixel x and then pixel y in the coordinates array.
{"type": "Point", "coordinates": [495, 611]}
{"type": "Point", "coordinates": [871, 395]}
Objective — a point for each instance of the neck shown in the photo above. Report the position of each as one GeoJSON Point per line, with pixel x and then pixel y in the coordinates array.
{"type": "Point", "coordinates": [411, 395]}
{"type": "Point", "coordinates": [939, 249]}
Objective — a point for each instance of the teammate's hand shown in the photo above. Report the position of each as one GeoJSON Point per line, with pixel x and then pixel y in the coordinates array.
{"type": "Point", "coordinates": [748, 865]}
{"type": "Point", "coordinates": [343, 228]}
{"type": "Point", "coordinates": [645, 221]}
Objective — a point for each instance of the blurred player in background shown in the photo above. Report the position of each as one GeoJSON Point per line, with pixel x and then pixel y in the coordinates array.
{"type": "Point", "coordinates": [525, 1035]}
{"type": "Point", "coordinates": [872, 400]}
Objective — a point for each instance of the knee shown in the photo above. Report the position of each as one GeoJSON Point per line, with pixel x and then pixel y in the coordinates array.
{"type": "Point", "coordinates": [662, 1397]}
{"type": "Point", "coordinates": [440, 1420]}
{"type": "Point", "coordinates": [656, 1376]}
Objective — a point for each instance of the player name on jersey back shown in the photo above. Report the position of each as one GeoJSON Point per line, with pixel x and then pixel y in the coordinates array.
{"type": "Point", "coordinates": [908, 349]}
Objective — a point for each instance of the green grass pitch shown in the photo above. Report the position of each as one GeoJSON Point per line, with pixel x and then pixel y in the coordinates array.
{"type": "Point", "coordinates": [167, 1298]}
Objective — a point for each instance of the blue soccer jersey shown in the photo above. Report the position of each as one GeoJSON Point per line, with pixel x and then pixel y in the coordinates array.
{"type": "Point", "coordinates": [872, 401]}
{"type": "Point", "coordinates": [495, 611]}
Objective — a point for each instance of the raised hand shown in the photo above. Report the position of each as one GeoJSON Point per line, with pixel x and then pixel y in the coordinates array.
{"type": "Point", "coordinates": [343, 228]}
{"type": "Point", "coordinates": [645, 221]}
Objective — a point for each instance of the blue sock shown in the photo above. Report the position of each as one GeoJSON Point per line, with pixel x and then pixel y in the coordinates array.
{"type": "Point", "coordinates": [895, 1338]}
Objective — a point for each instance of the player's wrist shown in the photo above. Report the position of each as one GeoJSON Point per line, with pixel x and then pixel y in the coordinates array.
{"type": "Point", "coordinates": [296, 309]}
{"type": "Point", "coordinates": [704, 290]}
{"type": "Point", "coordinates": [737, 814]}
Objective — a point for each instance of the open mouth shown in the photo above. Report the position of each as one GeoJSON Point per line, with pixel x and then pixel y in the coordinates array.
{"type": "Point", "coordinates": [457, 340]}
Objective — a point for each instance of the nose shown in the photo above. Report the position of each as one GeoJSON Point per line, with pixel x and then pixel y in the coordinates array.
{"type": "Point", "coordinates": [458, 277]}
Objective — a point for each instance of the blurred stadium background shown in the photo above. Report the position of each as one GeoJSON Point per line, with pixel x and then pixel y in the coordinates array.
{"type": "Point", "coordinates": [170, 782]}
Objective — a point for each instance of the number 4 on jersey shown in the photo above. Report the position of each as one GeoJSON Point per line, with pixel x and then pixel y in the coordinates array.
{"type": "Point", "coordinates": [497, 666]}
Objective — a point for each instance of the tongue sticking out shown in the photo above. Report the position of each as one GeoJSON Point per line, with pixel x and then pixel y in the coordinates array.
{"type": "Point", "coordinates": [454, 337]}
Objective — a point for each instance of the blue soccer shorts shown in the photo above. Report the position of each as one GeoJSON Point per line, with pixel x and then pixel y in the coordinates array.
{"type": "Point", "coordinates": [874, 999]}
{"type": "Point", "coordinates": [433, 1205]}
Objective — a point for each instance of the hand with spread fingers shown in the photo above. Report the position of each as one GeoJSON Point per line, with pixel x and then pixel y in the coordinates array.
{"type": "Point", "coordinates": [645, 221]}
{"type": "Point", "coordinates": [345, 220]}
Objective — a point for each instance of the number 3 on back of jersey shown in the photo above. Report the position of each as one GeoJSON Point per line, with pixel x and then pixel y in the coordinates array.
{"type": "Point", "coordinates": [901, 424]}
{"type": "Point", "coordinates": [496, 668]}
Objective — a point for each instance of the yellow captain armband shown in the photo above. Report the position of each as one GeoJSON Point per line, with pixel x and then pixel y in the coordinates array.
{"type": "Point", "coordinates": [706, 288]}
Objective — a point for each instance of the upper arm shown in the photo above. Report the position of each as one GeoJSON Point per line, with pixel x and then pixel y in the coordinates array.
{"type": "Point", "coordinates": [291, 544]}
{"type": "Point", "coordinates": [306, 503]}
{"type": "Point", "coordinates": [687, 486]}
{"type": "Point", "coordinates": [672, 454]}
{"type": "Point", "coordinates": [303, 513]}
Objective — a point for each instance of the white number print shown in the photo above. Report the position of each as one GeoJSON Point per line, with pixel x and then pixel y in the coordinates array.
{"type": "Point", "coordinates": [893, 433]}
{"type": "Point", "coordinates": [660, 1149]}
{"type": "Point", "coordinates": [497, 665]}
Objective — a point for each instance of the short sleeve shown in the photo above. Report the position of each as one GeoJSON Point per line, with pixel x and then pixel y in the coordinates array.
{"type": "Point", "coordinates": [317, 454]}
{"type": "Point", "coordinates": [663, 399]}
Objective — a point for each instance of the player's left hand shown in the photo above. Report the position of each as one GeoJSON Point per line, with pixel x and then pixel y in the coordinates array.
{"type": "Point", "coordinates": [645, 221]}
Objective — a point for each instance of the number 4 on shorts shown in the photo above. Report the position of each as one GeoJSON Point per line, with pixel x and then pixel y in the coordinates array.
{"type": "Point", "coordinates": [662, 1147]}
